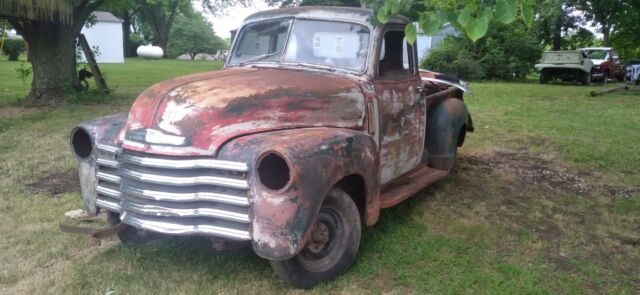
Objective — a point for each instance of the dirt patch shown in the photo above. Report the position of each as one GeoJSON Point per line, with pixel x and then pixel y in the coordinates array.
{"type": "Point", "coordinates": [540, 172]}
{"type": "Point", "coordinates": [56, 184]}
{"type": "Point", "coordinates": [621, 191]}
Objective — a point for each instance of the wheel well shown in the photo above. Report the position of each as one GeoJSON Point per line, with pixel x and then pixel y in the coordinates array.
{"type": "Point", "coordinates": [355, 187]}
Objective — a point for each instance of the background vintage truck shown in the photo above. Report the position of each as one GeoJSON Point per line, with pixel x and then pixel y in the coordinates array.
{"type": "Point", "coordinates": [584, 65]}
{"type": "Point", "coordinates": [318, 121]}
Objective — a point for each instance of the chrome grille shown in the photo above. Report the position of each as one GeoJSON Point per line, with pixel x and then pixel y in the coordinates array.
{"type": "Point", "coordinates": [174, 195]}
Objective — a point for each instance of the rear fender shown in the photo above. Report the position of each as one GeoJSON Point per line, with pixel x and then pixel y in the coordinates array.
{"type": "Point", "coordinates": [318, 159]}
{"type": "Point", "coordinates": [445, 120]}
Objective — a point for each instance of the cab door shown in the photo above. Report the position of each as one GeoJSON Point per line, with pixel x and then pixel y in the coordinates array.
{"type": "Point", "coordinates": [616, 68]}
{"type": "Point", "coordinates": [400, 106]}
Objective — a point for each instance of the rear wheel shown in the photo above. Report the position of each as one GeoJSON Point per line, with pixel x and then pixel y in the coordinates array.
{"type": "Point", "coordinates": [132, 235]}
{"type": "Point", "coordinates": [332, 245]}
{"type": "Point", "coordinates": [544, 77]}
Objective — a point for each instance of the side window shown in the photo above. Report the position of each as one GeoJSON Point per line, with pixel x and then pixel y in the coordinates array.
{"type": "Point", "coordinates": [396, 56]}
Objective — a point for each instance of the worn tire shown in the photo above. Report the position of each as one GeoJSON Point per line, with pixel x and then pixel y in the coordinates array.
{"type": "Point", "coordinates": [585, 78]}
{"type": "Point", "coordinates": [544, 78]}
{"type": "Point", "coordinates": [338, 225]}
{"type": "Point", "coordinates": [131, 235]}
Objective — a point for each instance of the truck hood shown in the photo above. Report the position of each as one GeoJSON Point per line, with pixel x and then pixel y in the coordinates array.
{"type": "Point", "coordinates": [597, 62]}
{"type": "Point", "coordinates": [203, 111]}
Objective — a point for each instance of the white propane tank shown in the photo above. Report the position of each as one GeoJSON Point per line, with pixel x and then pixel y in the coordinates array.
{"type": "Point", "coordinates": [150, 51]}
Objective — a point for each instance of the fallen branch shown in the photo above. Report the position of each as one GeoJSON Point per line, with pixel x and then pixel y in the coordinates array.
{"type": "Point", "coordinates": [609, 90]}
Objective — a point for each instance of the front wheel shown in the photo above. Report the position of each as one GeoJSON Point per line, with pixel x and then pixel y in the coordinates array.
{"type": "Point", "coordinates": [332, 245]}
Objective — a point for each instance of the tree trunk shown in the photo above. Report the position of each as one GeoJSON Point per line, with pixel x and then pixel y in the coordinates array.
{"type": "Point", "coordinates": [126, 31]}
{"type": "Point", "coordinates": [161, 40]}
{"type": "Point", "coordinates": [161, 22]}
{"type": "Point", "coordinates": [53, 59]}
{"type": "Point", "coordinates": [606, 30]}
{"type": "Point", "coordinates": [557, 31]}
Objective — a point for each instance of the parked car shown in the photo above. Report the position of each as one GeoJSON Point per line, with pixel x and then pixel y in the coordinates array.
{"type": "Point", "coordinates": [633, 71]}
{"type": "Point", "coordinates": [606, 63]}
{"type": "Point", "coordinates": [317, 122]}
{"type": "Point", "coordinates": [565, 65]}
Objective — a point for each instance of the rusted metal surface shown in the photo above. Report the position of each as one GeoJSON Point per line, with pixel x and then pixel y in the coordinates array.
{"type": "Point", "coordinates": [401, 126]}
{"type": "Point", "coordinates": [105, 129]}
{"type": "Point", "coordinates": [407, 185]}
{"type": "Point", "coordinates": [96, 233]}
{"type": "Point", "coordinates": [210, 109]}
{"type": "Point", "coordinates": [186, 160]}
{"type": "Point", "coordinates": [319, 158]}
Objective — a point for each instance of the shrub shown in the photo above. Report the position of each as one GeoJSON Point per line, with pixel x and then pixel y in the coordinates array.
{"type": "Point", "coordinates": [453, 58]}
{"type": "Point", "coordinates": [13, 48]}
{"type": "Point", "coordinates": [135, 41]}
{"type": "Point", "coordinates": [507, 52]}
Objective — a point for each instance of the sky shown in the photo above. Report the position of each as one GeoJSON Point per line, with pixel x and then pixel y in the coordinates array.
{"type": "Point", "coordinates": [232, 18]}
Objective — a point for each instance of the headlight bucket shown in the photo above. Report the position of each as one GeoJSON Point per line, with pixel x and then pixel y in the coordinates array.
{"type": "Point", "coordinates": [274, 171]}
{"type": "Point", "coordinates": [81, 143]}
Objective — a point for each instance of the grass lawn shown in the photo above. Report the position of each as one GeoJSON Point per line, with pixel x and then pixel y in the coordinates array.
{"type": "Point", "coordinates": [545, 199]}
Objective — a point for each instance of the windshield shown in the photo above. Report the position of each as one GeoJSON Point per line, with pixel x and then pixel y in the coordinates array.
{"type": "Point", "coordinates": [595, 53]}
{"type": "Point", "coordinates": [311, 42]}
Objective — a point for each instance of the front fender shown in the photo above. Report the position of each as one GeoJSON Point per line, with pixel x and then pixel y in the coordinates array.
{"type": "Point", "coordinates": [102, 130]}
{"type": "Point", "coordinates": [318, 159]}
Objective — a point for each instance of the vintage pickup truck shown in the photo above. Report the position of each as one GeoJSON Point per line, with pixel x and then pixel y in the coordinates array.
{"type": "Point", "coordinates": [565, 65]}
{"type": "Point", "coordinates": [317, 122]}
{"type": "Point", "coordinates": [584, 65]}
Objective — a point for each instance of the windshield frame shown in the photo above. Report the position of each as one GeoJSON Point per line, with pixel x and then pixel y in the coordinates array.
{"type": "Point", "coordinates": [312, 66]}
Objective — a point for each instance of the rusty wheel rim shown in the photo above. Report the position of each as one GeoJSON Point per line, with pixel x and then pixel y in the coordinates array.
{"type": "Point", "coordinates": [327, 243]}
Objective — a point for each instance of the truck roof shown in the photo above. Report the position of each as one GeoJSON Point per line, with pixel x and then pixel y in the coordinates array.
{"type": "Point", "coordinates": [350, 14]}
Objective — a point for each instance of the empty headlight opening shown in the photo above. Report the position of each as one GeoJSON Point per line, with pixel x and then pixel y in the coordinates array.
{"type": "Point", "coordinates": [273, 171]}
{"type": "Point", "coordinates": [81, 143]}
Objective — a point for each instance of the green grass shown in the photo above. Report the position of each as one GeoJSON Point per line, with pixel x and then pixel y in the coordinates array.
{"type": "Point", "coordinates": [501, 223]}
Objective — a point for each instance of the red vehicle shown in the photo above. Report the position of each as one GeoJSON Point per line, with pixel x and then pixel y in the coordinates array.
{"type": "Point", "coordinates": [606, 64]}
{"type": "Point", "coordinates": [317, 122]}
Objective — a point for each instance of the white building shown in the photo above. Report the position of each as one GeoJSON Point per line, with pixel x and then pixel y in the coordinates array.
{"type": "Point", "coordinates": [106, 36]}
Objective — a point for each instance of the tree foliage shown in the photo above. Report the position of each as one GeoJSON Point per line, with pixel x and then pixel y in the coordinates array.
{"type": "Point", "coordinates": [507, 52]}
{"type": "Point", "coordinates": [193, 34]}
{"type": "Point", "coordinates": [159, 15]}
{"type": "Point", "coordinates": [13, 48]}
{"type": "Point", "coordinates": [626, 36]}
{"type": "Point", "coordinates": [470, 16]}
{"type": "Point", "coordinates": [53, 11]}
{"type": "Point", "coordinates": [603, 13]}
{"type": "Point", "coordinates": [555, 19]}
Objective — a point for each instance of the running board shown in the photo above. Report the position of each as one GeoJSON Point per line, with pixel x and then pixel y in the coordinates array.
{"type": "Point", "coordinates": [409, 184]}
